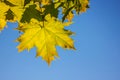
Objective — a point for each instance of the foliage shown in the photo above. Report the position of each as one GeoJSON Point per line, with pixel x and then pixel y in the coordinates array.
{"type": "Point", "coordinates": [40, 25]}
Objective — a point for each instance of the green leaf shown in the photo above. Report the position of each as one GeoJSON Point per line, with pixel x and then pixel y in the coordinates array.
{"type": "Point", "coordinates": [31, 12]}
{"type": "Point", "coordinates": [26, 2]}
{"type": "Point", "coordinates": [9, 15]}
{"type": "Point", "coordinates": [50, 9]}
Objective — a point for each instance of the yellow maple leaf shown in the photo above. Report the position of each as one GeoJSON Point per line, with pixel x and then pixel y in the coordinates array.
{"type": "Point", "coordinates": [45, 36]}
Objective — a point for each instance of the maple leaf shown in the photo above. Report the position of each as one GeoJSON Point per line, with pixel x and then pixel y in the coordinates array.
{"type": "Point", "coordinates": [50, 9]}
{"type": "Point", "coordinates": [40, 23]}
{"type": "Point", "coordinates": [45, 36]}
{"type": "Point", "coordinates": [31, 12]}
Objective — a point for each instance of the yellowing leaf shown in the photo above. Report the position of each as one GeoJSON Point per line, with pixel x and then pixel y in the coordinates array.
{"type": "Point", "coordinates": [45, 36]}
{"type": "Point", "coordinates": [42, 24]}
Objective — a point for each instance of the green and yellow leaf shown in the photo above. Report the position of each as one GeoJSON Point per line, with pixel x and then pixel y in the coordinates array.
{"type": "Point", "coordinates": [45, 36]}
{"type": "Point", "coordinates": [40, 23]}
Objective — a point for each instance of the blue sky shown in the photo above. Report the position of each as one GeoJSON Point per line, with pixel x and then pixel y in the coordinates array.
{"type": "Point", "coordinates": [97, 41]}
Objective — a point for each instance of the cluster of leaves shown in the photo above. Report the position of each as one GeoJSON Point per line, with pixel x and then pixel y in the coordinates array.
{"type": "Point", "coordinates": [40, 25]}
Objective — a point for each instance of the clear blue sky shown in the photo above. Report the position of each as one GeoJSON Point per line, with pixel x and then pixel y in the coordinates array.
{"type": "Point", "coordinates": [97, 57]}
